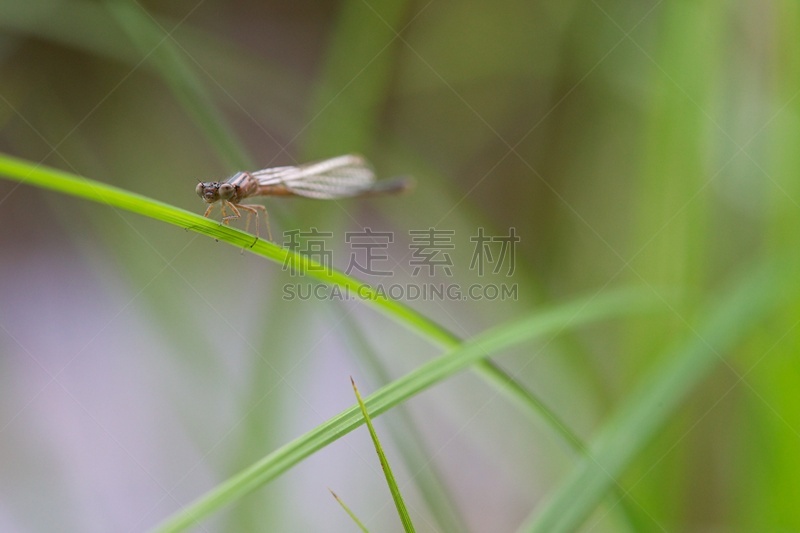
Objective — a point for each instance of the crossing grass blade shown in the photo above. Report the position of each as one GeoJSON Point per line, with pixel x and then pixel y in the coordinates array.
{"type": "Point", "coordinates": [538, 325]}
{"type": "Point", "coordinates": [38, 175]}
{"type": "Point", "coordinates": [657, 398]}
{"type": "Point", "coordinates": [460, 355]}
{"type": "Point", "coordinates": [402, 511]}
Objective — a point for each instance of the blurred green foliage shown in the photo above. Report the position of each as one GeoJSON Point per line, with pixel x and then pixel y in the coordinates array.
{"type": "Point", "coordinates": [649, 144]}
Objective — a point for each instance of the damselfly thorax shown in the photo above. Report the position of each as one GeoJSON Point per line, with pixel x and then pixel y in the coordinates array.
{"type": "Point", "coordinates": [345, 176]}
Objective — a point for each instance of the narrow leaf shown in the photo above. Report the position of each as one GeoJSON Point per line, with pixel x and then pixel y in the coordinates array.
{"type": "Point", "coordinates": [352, 515]}
{"type": "Point", "coordinates": [652, 404]}
{"type": "Point", "coordinates": [493, 341]}
{"type": "Point", "coordinates": [408, 526]}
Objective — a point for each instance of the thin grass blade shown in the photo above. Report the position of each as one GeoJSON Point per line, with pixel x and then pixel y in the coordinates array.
{"type": "Point", "coordinates": [650, 406]}
{"type": "Point", "coordinates": [350, 513]}
{"type": "Point", "coordinates": [494, 341]}
{"type": "Point", "coordinates": [402, 511]}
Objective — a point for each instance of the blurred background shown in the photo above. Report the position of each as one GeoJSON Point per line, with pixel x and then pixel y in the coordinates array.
{"type": "Point", "coordinates": [625, 143]}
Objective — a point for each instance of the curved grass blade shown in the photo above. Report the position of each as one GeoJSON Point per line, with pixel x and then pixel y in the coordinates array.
{"type": "Point", "coordinates": [67, 183]}
{"type": "Point", "coordinates": [408, 526]}
{"type": "Point", "coordinates": [435, 371]}
{"type": "Point", "coordinates": [650, 406]}
{"type": "Point", "coordinates": [156, 42]}
{"type": "Point", "coordinates": [64, 182]}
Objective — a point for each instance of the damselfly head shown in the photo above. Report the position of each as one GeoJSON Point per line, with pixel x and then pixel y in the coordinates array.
{"type": "Point", "coordinates": [212, 191]}
{"type": "Point", "coordinates": [208, 191]}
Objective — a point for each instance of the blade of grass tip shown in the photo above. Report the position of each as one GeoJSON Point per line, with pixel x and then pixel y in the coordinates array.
{"type": "Point", "coordinates": [551, 322]}
{"type": "Point", "coordinates": [408, 526]}
{"type": "Point", "coordinates": [428, 480]}
{"type": "Point", "coordinates": [403, 431]}
{"type": "Point", "coordinates": [656, 399]}
{"type": "Point", "coordinates": [156, 42]}
{"type": "Point", "coordinates": [350, 513]}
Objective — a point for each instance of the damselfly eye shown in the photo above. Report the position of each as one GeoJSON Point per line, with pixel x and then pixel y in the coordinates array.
{"type": "Point", "coordinates": [226, 191]}
{"type": "Point", "coordinates": [200, 189]}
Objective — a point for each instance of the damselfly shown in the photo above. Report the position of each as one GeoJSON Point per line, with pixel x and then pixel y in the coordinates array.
{"type": "Point", "coordinates": [340, 177]}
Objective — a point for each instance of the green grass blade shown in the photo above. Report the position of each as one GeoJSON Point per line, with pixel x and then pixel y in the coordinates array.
{"type": "Point", "coordinates": [355, 82]}
{"type": "Point", "coordinates": [408, 526]}
{"type": "Point", "coordinates": [155, 42]}
{"type": "Point", "coordinates": [404, 432]}
{"type": "Point", "coordinates": [654, 402]}
{"type": "Point", "coordinates": [64, 182]}
{"type": "Point", "coordinates": [493, 341]}
{"type": "Point", "coordinates": [507, 384]}
{"type": "Point", "coordinates": [352, 515]}
{"type": "Point", "coordinates": [60, 181]}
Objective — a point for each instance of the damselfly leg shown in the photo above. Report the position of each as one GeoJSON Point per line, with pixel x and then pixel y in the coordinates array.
{"type": "Point", "coordinates": [252, 209]}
